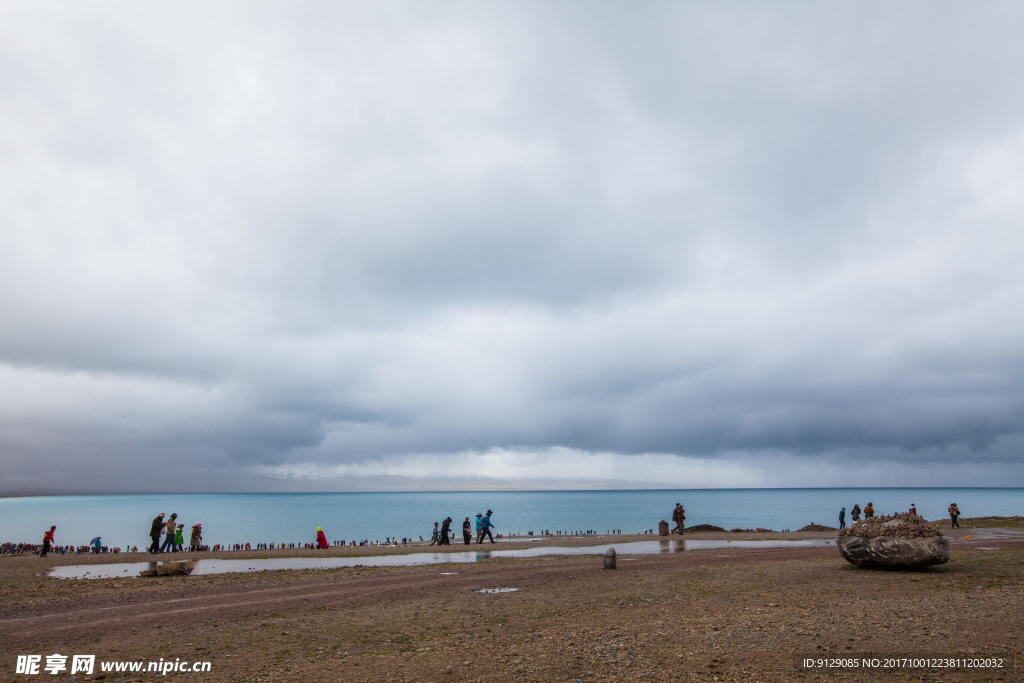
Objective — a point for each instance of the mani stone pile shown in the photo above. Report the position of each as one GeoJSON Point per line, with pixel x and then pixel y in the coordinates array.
{"type": "Point", "coordinates": [903, 525]}
{"type": "Point", "coordinates": [900, 541]}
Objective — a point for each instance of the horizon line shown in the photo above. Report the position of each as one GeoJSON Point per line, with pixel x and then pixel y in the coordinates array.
{"type": "Point", "coordinates": [623, 490]}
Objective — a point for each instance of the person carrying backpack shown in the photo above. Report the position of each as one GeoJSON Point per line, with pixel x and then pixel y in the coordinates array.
{"type": "Point", "coordinates": [679, 517]}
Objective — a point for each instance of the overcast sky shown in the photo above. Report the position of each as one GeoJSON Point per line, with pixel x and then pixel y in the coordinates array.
{"type": "Point", "coordinates": [386, 246]}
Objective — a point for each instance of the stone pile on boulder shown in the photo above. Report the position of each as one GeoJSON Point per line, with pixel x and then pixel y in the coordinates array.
{"type": "Point", "coordinates": [901, 541]}
{"type": "Point", "coordinates": [903, 525]}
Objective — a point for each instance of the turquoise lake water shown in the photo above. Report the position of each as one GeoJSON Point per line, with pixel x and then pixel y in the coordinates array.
{"type": "Point", "coordinates": [293, 517]}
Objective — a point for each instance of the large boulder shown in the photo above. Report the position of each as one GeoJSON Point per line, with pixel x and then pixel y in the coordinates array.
{"type": "Point", "coordinates": [182, 568]}
{"type": "Point", "coordinates": [894, 552]}
{"type": "Point", "coordinates": [900, 541]}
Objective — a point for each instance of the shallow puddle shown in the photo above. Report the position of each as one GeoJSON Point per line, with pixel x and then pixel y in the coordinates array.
{"type": "Point", "coordinates": [113, 571]}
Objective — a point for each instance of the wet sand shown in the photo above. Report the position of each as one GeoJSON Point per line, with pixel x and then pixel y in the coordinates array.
{"type": "Point", "coordinates": [464, 555]}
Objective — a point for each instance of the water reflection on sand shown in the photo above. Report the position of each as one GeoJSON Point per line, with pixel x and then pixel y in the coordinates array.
{"type": "Point", "coordinates": [220, 566]}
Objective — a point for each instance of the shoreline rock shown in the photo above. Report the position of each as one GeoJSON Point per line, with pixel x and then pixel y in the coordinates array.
{"type": "Point", "coordinates": [704, 527]}
{"type": "Point", "coordinates": [174, 568]}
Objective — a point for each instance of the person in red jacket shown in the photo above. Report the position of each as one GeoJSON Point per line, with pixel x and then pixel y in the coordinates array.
{"type": "Point", "coordinates": [47, 540]}
{"type": "Point", "coordinates": [321, 540]}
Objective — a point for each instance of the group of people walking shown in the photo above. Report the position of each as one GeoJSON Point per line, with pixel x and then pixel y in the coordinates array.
{"type": "Point", "coordinates": [869, 512]}
{"type": "Point", "coordinates": [174, 535]}
{"type": "Point", "coordinates": [443, 535]}
{"type": "Point", "coordinates": [173, 532]}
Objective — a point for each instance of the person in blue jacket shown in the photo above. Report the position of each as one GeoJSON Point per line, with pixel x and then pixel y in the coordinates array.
{"type": "Point", "coordinates": [485, 528]}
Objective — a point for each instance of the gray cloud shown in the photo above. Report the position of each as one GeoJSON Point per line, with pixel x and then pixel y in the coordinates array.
{"type": "Point", "coordinates": [329, 245]}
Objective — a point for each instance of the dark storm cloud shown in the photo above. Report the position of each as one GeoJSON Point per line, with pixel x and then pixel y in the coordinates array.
{"type": "Point", "coordinates": [580, 245]}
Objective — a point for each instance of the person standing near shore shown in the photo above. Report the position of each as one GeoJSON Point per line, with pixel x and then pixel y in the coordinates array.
{"type": "Point", "coordinates": [47, 540]}
{"type": "Point", "coordinates": [869, 510]}
{"type": "Point", "coordinates": [172, 526]}
{"type": "Point", "coordinates": [842, 518]}
{"type": "Point", "coordinates": [855, 512]}
{"type": "Point", "coordinates": [179, 538]}
{"type": "Point", "coordinates": [954, 516]}
{"type": "Point", "coordinates": [321, 539]}
{"type": "Point", "coordinates": [467, 531]}
{"type": "Point", "coordinates": [679, 517]}
{"type": "Point", "coordinates": [445, 530]}
{"type": "Point", "coordinates": [485, 527]}
{"type": "Point", "coordinates": [154, 533]}
{"type": "Point", "coordinates": [479, 530]}
{"type": "Point", "coordinates": [196, 541]}
{"type": "Point", "coordinates": [913, 509]}
{"type": "Point", "coordinates": [435, 536]}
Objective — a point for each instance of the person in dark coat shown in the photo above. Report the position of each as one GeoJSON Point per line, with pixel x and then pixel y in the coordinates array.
{"type": "Point", "coordinates": [679, 517]}
{"type": "Point", "coordinates": [842, 518]}
{"type": "Point", "coordinates": [467, 531]}
{"type": "Point", "coordinates": [445, 531]}
{"type": "Point", "coordinates": [154, 533]}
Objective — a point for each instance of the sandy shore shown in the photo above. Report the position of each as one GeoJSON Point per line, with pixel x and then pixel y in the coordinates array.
{"type": "Point", "coordinates": [721, 614]}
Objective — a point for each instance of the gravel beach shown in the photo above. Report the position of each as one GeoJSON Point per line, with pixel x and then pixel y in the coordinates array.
{"type": "Point", "coordinates": [717, 614]}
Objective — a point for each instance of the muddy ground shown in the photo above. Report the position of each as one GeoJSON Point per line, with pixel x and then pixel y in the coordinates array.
{"type": "Point", "coordinates": [729, 614]}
